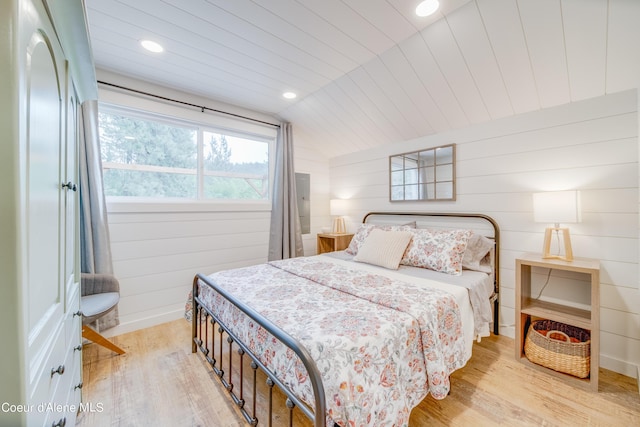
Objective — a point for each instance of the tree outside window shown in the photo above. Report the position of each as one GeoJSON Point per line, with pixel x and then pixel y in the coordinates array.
{"type": "Point", "coordinates": [146, 157]}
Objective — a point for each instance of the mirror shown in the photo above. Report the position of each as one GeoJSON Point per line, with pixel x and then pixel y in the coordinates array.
{"type": "Point", "coordinates": [423, 175]}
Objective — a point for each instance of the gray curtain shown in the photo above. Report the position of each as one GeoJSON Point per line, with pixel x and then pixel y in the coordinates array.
{"type": "Point", "coordinates": [285, 237]}
{"type": "Point", "coordinates": [95, 247]}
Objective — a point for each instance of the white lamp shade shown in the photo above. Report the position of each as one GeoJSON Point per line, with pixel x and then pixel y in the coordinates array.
{"type": "Point", "coordinates": [555, 207]}
{"type": "Point", "coordinates": [338, 207]}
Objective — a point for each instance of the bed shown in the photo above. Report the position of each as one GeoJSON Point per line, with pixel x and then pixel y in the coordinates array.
{"type": "Point", "coordinates": [356, 337]}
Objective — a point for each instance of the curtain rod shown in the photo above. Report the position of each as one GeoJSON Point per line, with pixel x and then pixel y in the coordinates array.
{"type": "Point", "coordinates": [201, 107]}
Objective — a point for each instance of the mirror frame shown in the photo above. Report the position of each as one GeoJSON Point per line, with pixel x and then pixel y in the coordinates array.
{"type": "Point", "coordinates": [429, 168]}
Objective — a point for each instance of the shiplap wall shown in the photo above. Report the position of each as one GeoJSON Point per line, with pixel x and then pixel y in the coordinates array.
{"type": "Point", "coordinates": [158, 246]}
{"type": "Point", "coordinates": [591, 146]}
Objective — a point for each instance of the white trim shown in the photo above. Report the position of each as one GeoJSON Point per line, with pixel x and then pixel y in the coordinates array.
{"type": "Point", "coordinates": [147, 113]}
{"type": "Point", "coordinates": [137, 205]}
{"type": "Point", "coordinates": [619, 366]}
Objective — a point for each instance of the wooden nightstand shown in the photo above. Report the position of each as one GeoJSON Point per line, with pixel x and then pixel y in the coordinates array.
{"type": "Point", "coordinates": [329, 242]}
{"type": "Point", "coordinates": [528, 307]}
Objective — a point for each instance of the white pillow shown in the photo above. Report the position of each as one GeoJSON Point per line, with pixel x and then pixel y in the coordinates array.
{"type": "Point", "coordinates": [477, 249]}
{"type": "Point", "coordinates": [384, 248]}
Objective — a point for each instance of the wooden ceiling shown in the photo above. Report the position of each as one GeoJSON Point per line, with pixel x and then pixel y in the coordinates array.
{"type": "Point", "coordinates": [370, 72]}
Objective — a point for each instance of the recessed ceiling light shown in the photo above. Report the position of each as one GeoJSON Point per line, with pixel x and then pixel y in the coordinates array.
{"type": "Point", "coordinates": [427, 7]}
{"type": "Point", "coordinates": [152, 46]}
{"type": "Point", "coordinates": [289, 95]}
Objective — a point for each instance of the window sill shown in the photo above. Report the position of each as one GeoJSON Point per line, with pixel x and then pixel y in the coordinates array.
{"type": "Point", "coordinates": [136, 205]}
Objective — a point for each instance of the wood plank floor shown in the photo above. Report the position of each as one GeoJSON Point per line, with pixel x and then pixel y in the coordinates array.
{"type": "Point", "coordinates": [159, 382]}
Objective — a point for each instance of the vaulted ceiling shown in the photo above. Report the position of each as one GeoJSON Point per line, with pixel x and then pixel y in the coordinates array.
{"type": "Point", "coordinates": [370, 72]}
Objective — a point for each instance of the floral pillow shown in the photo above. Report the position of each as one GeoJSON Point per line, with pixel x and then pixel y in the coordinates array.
{"type": "Point", "coordinates": [439, 250]}
{"type": "Point", "coordinates": [364, 230]}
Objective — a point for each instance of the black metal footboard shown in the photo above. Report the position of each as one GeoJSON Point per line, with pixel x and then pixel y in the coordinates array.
{"type": "Point", "coordinates": [203, 332]}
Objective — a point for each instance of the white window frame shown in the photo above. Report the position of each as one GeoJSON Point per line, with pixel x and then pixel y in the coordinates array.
{"type": "Point", "coordinates": [120, 103]}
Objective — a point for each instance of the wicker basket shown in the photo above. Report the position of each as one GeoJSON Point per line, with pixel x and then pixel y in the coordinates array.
{"type": "Point", "coordinates": [559, 353]}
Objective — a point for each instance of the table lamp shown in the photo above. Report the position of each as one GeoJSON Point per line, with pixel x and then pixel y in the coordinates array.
{"type": "Point", "coordinates": [338, 208]}
{"type": "Point", "coordinates": [557, 207]}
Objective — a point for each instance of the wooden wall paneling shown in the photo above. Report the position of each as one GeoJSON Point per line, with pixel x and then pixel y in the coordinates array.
{"type": "Point", "coordinates": [162, 72]}
{"type": "Point", "coordinates": [127, 19]}
{"type": "Point", "coordinates": [386, 17]}
{"type": "Point", "coordinates": [239, 27]}
{"type": "Point", "coordinates": [150, 265]}
{"type": "Point", "coordinates": [309, 108]}
{"type": "Point", "coordinates": [349, 22]}
{"type": "Point", "coordinates": [245, 17]}
{"type": "Point", "coordinates": [470, 36]}
{"type": "Point", "coordinates": [623, 323]}
{"type": "Point", "coordinates": [430, 117]}
{"type": "Point", "coordinates": [585, 36]}
{"type": "Point", "coordinates": [149, 248]}
{"type": "Point", "coordinates": [355, 133]}
{"type": "Point", "coordinates": [608, 128]}
{"type": "Point", "coordinates": [544, 36]}
{"type": "Point", "coordinates": [385, 130]}
{"type": "Point", "coordinates": [335, 99]}
{"type": "Point", "coordinates": [623, 62]}
{"type": "Point", "coordinates": [423, 62]}
{"type": "Point", "coordinates": [150, 283]}
{"type": "Point", "coordinates": [159, 229]}
{"type": "Point", "coordinates": [407, 117]}
{"type": "Point", "coordinates": [452, 64]}
{"type": "Point", "coordinates": [619, 351]}
{"type": "Point", "coordinates": [161, 298]}
{"type": "Point", "coordinates": [502, 22]}
{"type": "Point", "coordinates": [623, 274]}
{"type": "Point", "coordinates": [318, 27]}
{"type": "Point", "coordinates": [365, 78]}
{"type": "Point", "coordinates": [294, 116]}
{"type": "Point", "coordinates": [358, 118]}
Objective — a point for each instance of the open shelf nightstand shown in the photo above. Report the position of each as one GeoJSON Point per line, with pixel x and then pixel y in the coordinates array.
{"type": "Point", "coordinates": [528, 307]}
{"type": "Point", "coordinates": [329, 242]}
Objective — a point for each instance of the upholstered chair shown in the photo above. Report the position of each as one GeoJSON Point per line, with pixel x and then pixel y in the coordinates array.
{"type": "Point", "coordinates": [100, 295]}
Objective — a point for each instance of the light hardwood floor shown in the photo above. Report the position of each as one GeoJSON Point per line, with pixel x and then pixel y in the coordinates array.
{"type": "Point", "coordinates": [159, 382]}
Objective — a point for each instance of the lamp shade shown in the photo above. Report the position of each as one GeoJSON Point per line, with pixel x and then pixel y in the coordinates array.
{"type": "Point", "coordinates": [338, 207]}
{"type": "Point", "coordinates": [555, 207]}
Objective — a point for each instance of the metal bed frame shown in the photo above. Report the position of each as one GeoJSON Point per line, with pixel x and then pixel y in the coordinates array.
{"type": "Point", "coordinates": [204, 334]}
{"type": "Point", "coordinates": [496, 239]}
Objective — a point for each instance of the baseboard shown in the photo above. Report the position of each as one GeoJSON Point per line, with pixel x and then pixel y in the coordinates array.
{"type": "Point", "coordinates": [620, 366]}
{"type": "Point", "coordinates": [143, 323]}
{"type": "Point", "coordinates": [638, 379]}
{"type": "Point", "coordinates": [508, 331]}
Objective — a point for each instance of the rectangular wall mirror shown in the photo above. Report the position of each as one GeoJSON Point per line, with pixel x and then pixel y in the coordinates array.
{"type": "Point", "coordinates": [428, 174]}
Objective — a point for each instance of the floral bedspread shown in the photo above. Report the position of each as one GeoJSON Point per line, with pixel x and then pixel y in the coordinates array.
{"type": "Point", "coordinates": [381, 345]}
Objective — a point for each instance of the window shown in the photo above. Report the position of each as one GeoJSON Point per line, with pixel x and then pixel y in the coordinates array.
{"type": "Point", "coordinates": [152, 157]}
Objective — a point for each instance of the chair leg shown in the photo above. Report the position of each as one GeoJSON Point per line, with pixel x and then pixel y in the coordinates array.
{"type": "Point", "coordinates": [92, 335]}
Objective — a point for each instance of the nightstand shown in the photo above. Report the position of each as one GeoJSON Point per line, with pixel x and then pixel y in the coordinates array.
{"type": "Point", "coordinates": [329, 242]}
{"type": "Point", "coordinates": [528, 307]}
